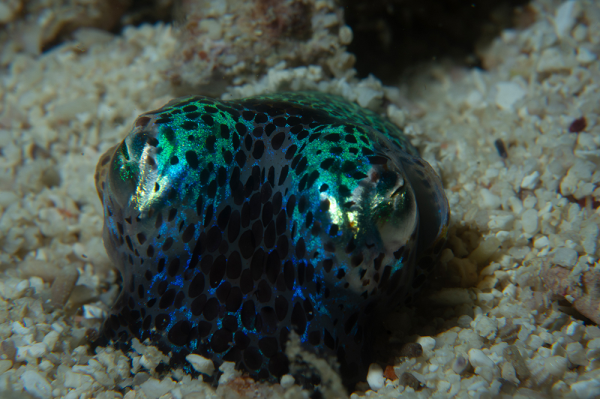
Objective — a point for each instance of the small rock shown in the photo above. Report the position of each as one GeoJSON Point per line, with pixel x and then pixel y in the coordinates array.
{"type": "Point", "coordinates": [22, 286]}
{"type": "Point", "coordinates": [460, 364]}
{"type": "Point", "coordinates": [508, 94]}
{"type": "Point", "coordinates": [427, 343]}
{"type": "Point", "coordinates": [589, 389]}
{"type": "Point", "coordinates": [367, 97]}
{"type": "Point", "coordinates": [565, 257]}
{"type": "Point", "coordinates": [483, 365]}
{"type": "Point", "coordinates": [585, 56]}
{"type": "Point", "coordinates": [551, 60]}
{"type": "Point", "coordinates": [576, 354]}
{"type": "Point", "coordinates": [36, 384]}
{"type": "Point", "coordinates": [409, 380]}
{"type": "Point", "coordinates": [512, 354]}
{"type": "Point", "coordinates": [93, 312]}
{"type": "Point", "coordinates": [396, 115]}
{"type": "Point", "coordinates": [479, 359]}
{"type": "Point", "coordinates": [345, 35]}
{"type": "Point", "coordinates": [485, 250]}
{"type": "Point", "coordinates": [556, 365]}
{"type": "Point", "coordinates": [154, 388]}
{"type": "Point", "coordinates": [490, 200]}
{"type": "Point", "coordinates": [201, 364]}
{"type": "Point", "coordinates": [486, 327]}
{"type": "Point", "coordinates": [375, 377]}
{"type": "Point", "coordinates": [508, 372]}
{"type": "Point", "coordinates": [229, 372]}
{"type": "Point", "coordinates": [530, 221]}
{"type": "Point", "coordinates": [530, 181]}
{"type": "Point", "coordinates": [566, 17]}
{"type": "Point", "coordinates": [578, 125]}
{"type": "Point", "coordinates": [390, 374]}
{"type": "Point", "coordinates": [501, 148]}
{"type": "Point", "coordinates": [287, 381]}
{"type": "Point", "coordinates": [541, 242]}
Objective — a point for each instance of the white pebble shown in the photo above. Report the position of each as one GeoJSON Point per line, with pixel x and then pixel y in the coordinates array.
{"type": "Point", "coordinates": [36, 384]}
{"type": "Point", "coordinates": [483, 365]}
{"type": "Point", "coordinates": [19, 329]}
{"type": "Point", "coordinates": [485, 327]}
{"type": "Point", "coordinates": [22, 286]}
{"type": "Point", "coordinates": [229, 372]}
{"type": "Point", "coordinates": [443, 386]}
{"type": "Point", "coordinates": [589, 389]}
{"type": "Point", "coordinates": [427, 343]}
{"type": "Point", "coordinates": [500, 222]}
{"type": "Point", "coordinates": [479, 359]}
{"type": "Point", "coordinates": [556, 365]}
{"type": "Point", "coordinates": [345, 35]}
{"type": "Point", "coordinates": [50, 340]}
{"type": "Point", "coordinates": [36, 283]}
{"type": "Point", "coordinates": [530, 221]}
{"type": "Point", "coordinates": [515, 204]}
{"type": "Point", "coordinates": [535, 342]}
{"type": "Point", "coordinates": [530, 181]}
{"type": "Point", "coordinates": [590, 237]}
{"type": "Point", "coordinates": [201, 364]}
{"type": "Point", "coordinates": [37, 350]}
{"type": "Point", "coordinates": [576, 354]}
{"type": "Point", "coordinates": [287, 381]}
{"type": "Point", "coordinates": [565, 17]}
{"type": "Point", "coordinates": [551, 60]}
{"type": "Point", "coordinates": [541, 242]}
{"type": "Point", "coordinates": [154, 388]}
{"type": "Point", "coordinates": [460, 364]}
{"type": "Point", "coordinates": [490, 201]}
{"type": "Point", "coordinates": [530, 202]}
{"type": "Point", "coordinates": [375, 377]}
{"type": "Point", "coordinates": [565, 257]}
{"type": "Point", "coordinates": [367, 97]}
{"type": "Point", "coordinates": [593, 344]}
{"type": "Point", "coordinates": [508, 94]}
{"type": "Point", "coordinates": [93, 312]}
{"type": "Point", "coordinates": [585, 56]}
{"type": "Point", "coordinates": [575, 330]}
{"type": "Point", "coordinates": [57, 327]}
{"type": "Point", "coordinates": [45, 366]}
{"type": "Point", "coordinates": [396, 115]}
{"type": "Point", "coordinates": [475, 99]}
{"type": "Point", "coordinates": [509, 373]}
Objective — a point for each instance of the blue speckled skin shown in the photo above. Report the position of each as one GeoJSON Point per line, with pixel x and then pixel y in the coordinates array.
{"type": "Point", "coordinates": [233, 223]}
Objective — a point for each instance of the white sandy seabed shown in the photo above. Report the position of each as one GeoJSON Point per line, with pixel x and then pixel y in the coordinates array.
{"type": "Point", "coordinates": [532, 212]}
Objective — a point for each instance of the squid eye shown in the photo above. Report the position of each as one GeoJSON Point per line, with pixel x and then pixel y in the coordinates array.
{"type": "Point", "coordinates": [124, 150]}
{"type": "Point", "coordinates": [391, 182]}
{"type": "Point", "coordinates": [123, 175]}
{"type": "Point", "coordinates": [397, 191]}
